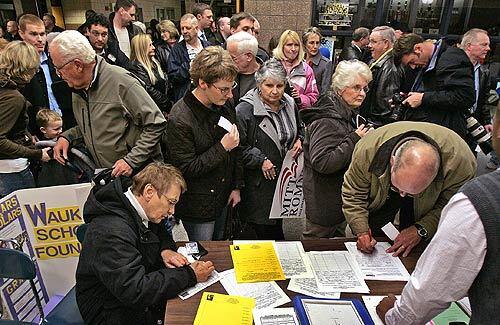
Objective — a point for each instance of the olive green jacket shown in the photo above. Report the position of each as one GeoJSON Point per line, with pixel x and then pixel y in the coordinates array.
{"type": "Point", "coordinates": [116, 119]}
{"type": "Point", "coordinates": [367, 181]}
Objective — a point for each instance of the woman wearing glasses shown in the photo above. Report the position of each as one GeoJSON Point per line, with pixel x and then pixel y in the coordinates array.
{"type": "Point", "coordinates": [201, 139]}
{"type": "Point", "coordinates": [147, 69]}
{"type": "Point", "coordinates": [18, 64]}
{"type": "Point", "coordinates": [300, 75]}
{"type": "Point", "coordinates": [329, 142]}
{"type": "Point", "coordinates": [269, 127]}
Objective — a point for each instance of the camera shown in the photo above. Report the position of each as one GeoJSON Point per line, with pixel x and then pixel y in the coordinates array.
{"type": "Point", "coordinates": [397, 103]}
{"type": "Point", "coordinates": [479, 134]}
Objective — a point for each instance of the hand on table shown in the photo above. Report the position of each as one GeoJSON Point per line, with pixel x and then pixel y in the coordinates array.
{"type": "Point", "coordinates": [384, 305]}
{"type": "Point", "coordinates": [173, 259]}
{"type": "Point", "coordinates": [405, 241]}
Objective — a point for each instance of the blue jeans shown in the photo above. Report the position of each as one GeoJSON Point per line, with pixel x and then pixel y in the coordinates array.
{"type": "Point", "coordinates": [199, 231]}
{"type": "Point", "coordinates": [10, 182]}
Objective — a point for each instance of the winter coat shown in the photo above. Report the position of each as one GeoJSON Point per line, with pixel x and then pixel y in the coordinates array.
{"type": "Point", "coordinates": [448, 88]}
{"type": "Point", "coordinates": [259, 140]}
{"type": "Point", "coordinates": [113, 46]}
{"type": "Point", "coordinates": [121, 277]}
{"type": "Point", "coordinates": [193, 145]}
{"type": "Point", "coordinates": [158, 91]}
{"type": "Point", "coordinates": [328, 147]}
{"type": "Point", "coordinates": [385, 83]}
{"type": "Point", "coordinates": [116, 119]}
{"type": "Point", "coordinates": [15, 140]}
{"type": "Point", "coordinates": [323, 72]}
{"type": "Point", "coordinates": [302, 78]}
{"type": "Point", "coordinates": [367, 182]}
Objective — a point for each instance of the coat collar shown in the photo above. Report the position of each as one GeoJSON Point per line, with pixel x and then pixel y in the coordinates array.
{"type": "Point", "coordinates": [381, 159]}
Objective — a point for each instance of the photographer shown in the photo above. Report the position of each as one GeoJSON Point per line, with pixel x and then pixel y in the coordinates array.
{"type": "Point", "coordinates": [443, 91]}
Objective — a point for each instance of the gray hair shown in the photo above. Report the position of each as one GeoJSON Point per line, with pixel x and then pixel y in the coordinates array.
{"type": "Point", "coordinates": [273, 69]}
{"type": "Point", "coordinates": [470, 36]}
{"type": "Point", "coordinates": [73, 45]}
{"type": "Point", "coordinates": [386, 33]}
{"type": "Point", "coordinates": [346, 73]}
{"type": "Point", "coordinates": [359, 33]}
{"type": "Point", "coordinates": [245, 42]}
{"type": "Point", "coordinates": [191, 17]}
{"type": "Point", "coordinates": [416, 152]}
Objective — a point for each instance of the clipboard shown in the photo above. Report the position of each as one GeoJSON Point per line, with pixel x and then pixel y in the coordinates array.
{"type": "Point", "coordinates": [305, 307]}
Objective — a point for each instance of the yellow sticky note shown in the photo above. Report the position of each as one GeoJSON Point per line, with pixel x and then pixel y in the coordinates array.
{"type": "Point", "coordinates": [222, 309]}
{"type": "Point", "coordinates": [256, 262]}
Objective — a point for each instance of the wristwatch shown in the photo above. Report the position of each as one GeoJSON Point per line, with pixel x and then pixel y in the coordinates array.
{"type": "Point", "coordinates": [421, 231]}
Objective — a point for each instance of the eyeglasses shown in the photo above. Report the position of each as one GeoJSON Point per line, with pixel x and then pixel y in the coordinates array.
{"type": "Point", "coordinates": [171, 201]}
{"type": "Point", "coordinates": [226, 90]}
{"type": "Point", "coordinates": [358, 89]}
{"type": "Point", "coordinates": [397, 190]}
{"type": "Point", "coordinates": [237, 56]}
{"type": "Point", "coordinates": [58, 69]}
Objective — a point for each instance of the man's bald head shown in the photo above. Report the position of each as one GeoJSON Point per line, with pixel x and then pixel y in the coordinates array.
{"type": "Point", "coordinates": [414, 166]}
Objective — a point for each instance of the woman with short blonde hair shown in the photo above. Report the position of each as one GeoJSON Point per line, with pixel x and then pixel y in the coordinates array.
{"type": "Point", "coordinates": [301, 78]}
{"type": "Point", "coordinates": [19, 62]}
{"type": "Point", "coordinates": [147, 68]}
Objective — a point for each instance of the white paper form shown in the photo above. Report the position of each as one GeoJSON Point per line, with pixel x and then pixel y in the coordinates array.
{"type": "Point", "coordinates": [275, 316]}
{"type": "Point", "coordinates": [378, 265]}
{"type": "Point", "coordinates": [335, 312]}
{"type": "Point", "coordinates": [371, 303]}
{"type": "Point", "coordinates": [308, 287]}
{"type": "Point", "coordinates": [336, 271]}
{"type": "Point", "coordinates": [293, 259]}
{"type": "Point", "coordinates": [266, 294]}
{"type": "Point", "coordinates": [390, 231]}
{"type": "Point", "coordinates": [225, 124]}
{"type": "Point", "coordinates": [189, 292]}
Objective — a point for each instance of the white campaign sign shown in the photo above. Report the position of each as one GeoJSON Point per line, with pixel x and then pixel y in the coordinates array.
{"type": "Point", "coordinates": [288, 201]}
{"type": "Point", "coordinates": [45, 219]}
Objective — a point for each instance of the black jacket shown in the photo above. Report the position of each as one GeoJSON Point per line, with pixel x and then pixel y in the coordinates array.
{"type": "Point", "coordinates": [482, 112]}
{"type": "Point", "coordinates": [385, 83]}
{"type": "Point", "coordinates": [113, 46]}
{"type": "Point", "coordinates": [351, 52]}
{"type": "Point", "coordinates": [328, 147]}
{"type": "Point", "coordinates": [158, 91]}
{"type": "Point", "coordinates": [178, 69]}
{"type": "Point", "coordinates": [162, 52]}
{"type": "Point", "coordinates": [448, 91]}
{"type": "Point", "coordinates": [36, 93]}
{"type": "Point", "coordinates": [193, 146]}
{"type": "Point", "coordinates": [258, 141]}
{"type": "Point", "coordinates": [121, 278]}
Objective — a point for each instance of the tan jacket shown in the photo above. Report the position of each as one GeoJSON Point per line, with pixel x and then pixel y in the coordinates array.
{"type": "Point", "coordinates": [116, 118]}
{"type": "Point", "coordinates": [367, 181]}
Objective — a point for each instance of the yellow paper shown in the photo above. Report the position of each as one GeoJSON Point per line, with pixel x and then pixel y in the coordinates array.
{"type": "Point", "coordinates": [221, 309]}
{"type": "Point", "coordinates": [256, 262]}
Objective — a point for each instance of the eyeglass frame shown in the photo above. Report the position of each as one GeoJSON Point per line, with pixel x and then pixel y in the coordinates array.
{"type": "Point", "coordinates": [224, 91]}
{"type": "Point", "coordinates": [58, 69]}
{"type": "Point", "coordinates": [358, 89]}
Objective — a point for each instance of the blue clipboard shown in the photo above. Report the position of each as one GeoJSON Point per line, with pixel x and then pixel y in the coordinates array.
{"type": "Point", "coordinates": [304, 320]}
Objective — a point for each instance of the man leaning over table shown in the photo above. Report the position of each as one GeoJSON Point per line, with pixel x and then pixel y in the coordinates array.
{"type": "Point", "coordinates": [410, 168]}
{"type": "Point", "coordinates": [128, 266]}
{"type": "Point", "coordinates": [462, 259]}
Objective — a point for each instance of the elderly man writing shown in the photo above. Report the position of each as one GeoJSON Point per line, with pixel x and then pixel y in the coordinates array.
{"type": "Point", "coordinates": [119, 123]}
{"type": "Point", "coordinates": [408, 167]}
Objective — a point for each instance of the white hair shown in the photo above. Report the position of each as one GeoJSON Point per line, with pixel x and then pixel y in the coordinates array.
{"type": "Point", "coordinates": [470, 37]}
{"type": "Point", "coordinates": [272, 69]}
{"type": "Point", "coordinates": [245, 42]}
{"type": "Point", "coordinates": [386, 33]}
{"type": "Point", "coordinates": [71, 44]}
{"type": "Point", "coordinates": [347, 72]}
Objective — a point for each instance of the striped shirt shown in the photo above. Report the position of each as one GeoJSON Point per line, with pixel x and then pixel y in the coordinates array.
{"type": "Point", "coordinates": [283, 123]}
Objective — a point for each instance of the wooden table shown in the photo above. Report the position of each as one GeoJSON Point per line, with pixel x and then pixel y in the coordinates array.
{"type": "Point", "coordinates": [184, 311]}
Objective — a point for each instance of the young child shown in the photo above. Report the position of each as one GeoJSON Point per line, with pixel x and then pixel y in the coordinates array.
{"type": "Point", "coordinates": [52, 173]}
{"type": "Point", "coordinates": [50, 123]}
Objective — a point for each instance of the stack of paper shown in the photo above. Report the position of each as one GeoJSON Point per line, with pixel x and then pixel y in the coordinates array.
{"type": "Point", "coordinates": [379, 265]}
{"type": "Point", "coordinates": [256, 262]}
{"type": "Point", "coordinates": [275, 316]}
{"type": "Point", "coordinates": [266, 294]}
{"type": "Point", "coordinates": [221, 309]}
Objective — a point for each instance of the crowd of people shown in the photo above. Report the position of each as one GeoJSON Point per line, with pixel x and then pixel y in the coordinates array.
{"type": "Point", "coordinates": [388, 130]}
